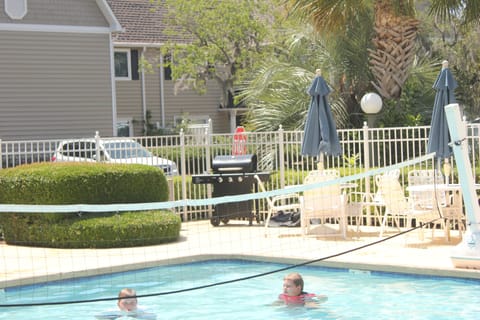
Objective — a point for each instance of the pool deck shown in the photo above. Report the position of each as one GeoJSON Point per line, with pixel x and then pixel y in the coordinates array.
{"type": "Point", "coordinates": [200, 241]}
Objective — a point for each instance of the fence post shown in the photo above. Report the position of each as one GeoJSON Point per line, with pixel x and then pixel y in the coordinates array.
{"type": "Point", "coordinates": [184, 177]}
{"type": "Point", "coordinates": [208, 132]}
{"type": "Point", "coordinates": [366, 167]}
{"type": "Point", "coordinates": [97, 146]}
{"type": "Point", "coordinates": [281, 154]}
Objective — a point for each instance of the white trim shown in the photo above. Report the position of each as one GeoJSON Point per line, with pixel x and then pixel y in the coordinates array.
{"type": "Point", "coordinates": [129, 64]}
{"type": "Point", "coordinates": [194, 119]}
{"type": "Point", "coordinates": [114, 88]}
{"type": "Point", "coordinates": [51, 28]}
{"type": "Point", "coordinates": [137, 44]}
{"type": "Point", "coordinates": [16, 9]}
{"type": "Point", "coordinates": [108, 14]}
{"type": "Point", "coordinates": [144, 94]}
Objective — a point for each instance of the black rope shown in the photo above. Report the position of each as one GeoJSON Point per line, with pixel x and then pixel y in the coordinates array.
{"type": "Point", "coordinates": [222, 282]}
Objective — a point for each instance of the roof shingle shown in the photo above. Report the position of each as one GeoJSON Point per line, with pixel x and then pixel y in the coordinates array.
{"type": "Point", "coordinates": [142, 22]}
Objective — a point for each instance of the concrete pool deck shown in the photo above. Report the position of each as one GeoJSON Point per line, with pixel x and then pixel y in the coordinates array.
{"type": "Point", "coordinates": [201, 241]}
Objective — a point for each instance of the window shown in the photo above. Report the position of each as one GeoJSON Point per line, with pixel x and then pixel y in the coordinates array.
{"type": "Point", "coordinates": [167, 69]}
{"type": "Point", "coordinates": [124, 128]}
{"type": "Point", "coordinates": [126, 64]}
{"type": "Point", "coordinates": [123, 65]}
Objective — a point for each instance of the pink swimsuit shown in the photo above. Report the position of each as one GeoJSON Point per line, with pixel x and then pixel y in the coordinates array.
{"type": "Point", "coordinates": [300, 299]}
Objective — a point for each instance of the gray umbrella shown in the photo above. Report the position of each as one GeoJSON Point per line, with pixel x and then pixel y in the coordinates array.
{"type": "Point", "coordinates": [320, 136]}
{"type": "Point", "coordinates": [439, 136]}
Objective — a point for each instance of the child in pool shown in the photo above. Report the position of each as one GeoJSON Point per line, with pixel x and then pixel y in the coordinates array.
{"type": "Point", "coordinates": [128, 305]}
{"type": "Point", "coordinates": [293, 293]}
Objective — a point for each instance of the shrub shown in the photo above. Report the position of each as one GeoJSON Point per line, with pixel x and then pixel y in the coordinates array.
{"type": "Point", "coordinates": [86, 183]}
{"type": "Point", "coordinates": [93, 183]}
{"type": "Point", "coordinates": [94, 230]}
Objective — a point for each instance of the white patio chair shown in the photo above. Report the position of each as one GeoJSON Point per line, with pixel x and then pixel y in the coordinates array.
{"type": "Point", "coordinates": [323, 204]}
{"type": "Point", "coordinates": [355, 207]}
{"type": "Point", "coordinates": [398, 206]}
{"type": "Point", "coordinates": [283, 203]}
{"type": "Point", "coordinates": [453, 214]}
{"type": "Point", "coordinates": [395, 173]}
{"type": "Point", "coordinates": [426, 198]}
{"type": "Point", "coordinates": [449, 206]}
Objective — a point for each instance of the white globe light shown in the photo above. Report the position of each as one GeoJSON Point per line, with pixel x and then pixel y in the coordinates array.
{"type": "Point", "coordinates": [371, 103]}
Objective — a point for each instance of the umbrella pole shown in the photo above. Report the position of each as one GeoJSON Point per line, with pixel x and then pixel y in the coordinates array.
{"type": "Point", "coordinates": [447, 170]}
{"type": "Point", "coordinates": [320, 166]}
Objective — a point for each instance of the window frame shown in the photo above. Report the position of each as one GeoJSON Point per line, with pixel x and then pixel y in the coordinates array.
{"type": "Point", "coordinates": [129, 64]}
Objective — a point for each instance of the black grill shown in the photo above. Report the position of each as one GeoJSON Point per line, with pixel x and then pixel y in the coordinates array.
{"type": "Point", "coordinates": [233, 175]}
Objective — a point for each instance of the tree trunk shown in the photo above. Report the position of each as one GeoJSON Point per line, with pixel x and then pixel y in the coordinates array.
{"type": "Point", "coordinates": [394, 52]}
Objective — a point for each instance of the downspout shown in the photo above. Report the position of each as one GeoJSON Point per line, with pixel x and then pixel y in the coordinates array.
{"type": "Point", "coordinates": [114, 87]}
{"type": "Point", "coordinates": [144, 99]}
{"type": "Point", "coordinates": [162, 88]}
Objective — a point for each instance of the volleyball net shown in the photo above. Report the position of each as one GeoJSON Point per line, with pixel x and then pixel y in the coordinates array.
{"type": "Point", "coordinates": [375, 212]}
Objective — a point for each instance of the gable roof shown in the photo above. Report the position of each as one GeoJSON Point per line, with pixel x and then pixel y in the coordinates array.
{"type": "Point", "coordinates": [107, 12]}
{"type": "Point", "coordinates": [143, 23]}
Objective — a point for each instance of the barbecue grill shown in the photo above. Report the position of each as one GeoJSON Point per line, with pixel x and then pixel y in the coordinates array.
{"type": "Point", "coordinates": [233, 175]}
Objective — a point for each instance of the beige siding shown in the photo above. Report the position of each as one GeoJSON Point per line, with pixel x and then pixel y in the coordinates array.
{"type": "Point", "coordinates": [54, 85]}
{"type": "Point", "coordinates": [189, 102]}
{"type": "Point", "coordinates": [129, 102]}
{"type": "Point", "coordinates": [64, 12]}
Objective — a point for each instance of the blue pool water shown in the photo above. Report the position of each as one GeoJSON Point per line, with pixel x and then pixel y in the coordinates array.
{"type": "Point", "coordinates": [351, 294]}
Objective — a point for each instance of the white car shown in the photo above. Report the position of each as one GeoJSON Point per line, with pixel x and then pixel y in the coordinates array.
{"type": "Point", "coordinates": [111, 151]}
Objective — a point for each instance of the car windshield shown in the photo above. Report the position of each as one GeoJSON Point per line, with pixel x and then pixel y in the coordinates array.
{"type": "Point", "coordinates": [126, 150]}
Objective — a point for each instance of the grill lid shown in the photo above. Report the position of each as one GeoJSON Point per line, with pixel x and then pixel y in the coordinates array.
{"type": "Point", "coordinates": [235, 164]}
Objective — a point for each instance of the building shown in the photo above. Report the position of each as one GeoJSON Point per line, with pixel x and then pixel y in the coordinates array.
{"type": "Point", "coordinates": [70, 68]}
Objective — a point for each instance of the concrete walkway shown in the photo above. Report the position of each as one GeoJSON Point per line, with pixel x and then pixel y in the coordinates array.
{"type": "Point", "coordinates": [200, 241]}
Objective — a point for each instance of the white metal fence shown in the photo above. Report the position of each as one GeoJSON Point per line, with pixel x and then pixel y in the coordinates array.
{"type": "Point", "coordinates": [278, 152]}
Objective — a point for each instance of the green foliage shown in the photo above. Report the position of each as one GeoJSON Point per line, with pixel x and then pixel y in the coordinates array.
{"type": "Point", "coordinates": [95, 230]}
{"type": "Point", "coordinates": [86, 183]}
{"type": "Point", "coordinates": [223, 41]}
{"type": "Point", "coordinates": [352, 161]}
{"type": "Point", "coordinates": [71, 183]}
{"type": "Point", "coordinates": [276, 93]}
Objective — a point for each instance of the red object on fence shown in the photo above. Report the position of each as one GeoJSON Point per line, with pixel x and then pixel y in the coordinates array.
{"type": "Point", "coordinates": [239, 146]}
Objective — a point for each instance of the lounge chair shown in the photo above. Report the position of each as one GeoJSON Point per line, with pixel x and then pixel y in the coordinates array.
{"type": "Point", "coordinates": [398, 206]}
{"type": "Point", "coordinates": [287, 203]}
{"type": "Point", "coordinates": [435, 197]}
{"type": "Point", "coordinates": [325, 204]}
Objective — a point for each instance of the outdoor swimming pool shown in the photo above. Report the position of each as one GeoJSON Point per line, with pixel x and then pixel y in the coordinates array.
{"type": "Point", "coordinates": [352, 294]}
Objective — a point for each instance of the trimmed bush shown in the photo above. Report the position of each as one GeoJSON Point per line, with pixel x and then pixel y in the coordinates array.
{"type": "Point", "coordinates": [92, 183]}
{"type": "Point", "coordinates": [86, 183]}
{"type": "Point", "coordinates": [127, 229]}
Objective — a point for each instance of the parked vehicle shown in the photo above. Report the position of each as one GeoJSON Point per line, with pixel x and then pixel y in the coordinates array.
{"type": "Point", "coordinates": [110, 151]}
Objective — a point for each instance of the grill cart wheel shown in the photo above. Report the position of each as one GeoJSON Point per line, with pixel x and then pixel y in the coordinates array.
{"type": "Point", "coordinates": [215, 221]}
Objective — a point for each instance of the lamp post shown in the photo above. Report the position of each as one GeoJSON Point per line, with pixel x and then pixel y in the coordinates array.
{"type": "Point", "coordinates": [371, 104]}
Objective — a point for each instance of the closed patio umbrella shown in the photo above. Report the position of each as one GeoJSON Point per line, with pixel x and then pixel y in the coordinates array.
{"type": "Point", "coordinates": [439, 136]}
{"type": "Point", "coordinates": [320, 135]}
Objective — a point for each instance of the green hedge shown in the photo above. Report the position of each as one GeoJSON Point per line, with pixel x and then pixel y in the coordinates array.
{"type": "Point", "coordinates": [93, 230]}
{"type": "Point", "coordinates": [70, 183]}
{"type": "Point", "coordinates": [86, 183]}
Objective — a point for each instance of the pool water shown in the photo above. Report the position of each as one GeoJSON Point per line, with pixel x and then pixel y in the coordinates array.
{"type": "Point", "coordinates": [351, 294]}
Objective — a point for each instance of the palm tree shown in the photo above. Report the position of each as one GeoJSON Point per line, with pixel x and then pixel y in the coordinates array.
{"type": "Point", "coordinates": [393, 44]}
{"type": "Point", "coordinates": [467, 10]}
{"type": "Point", "coordinates": [276, 93]}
